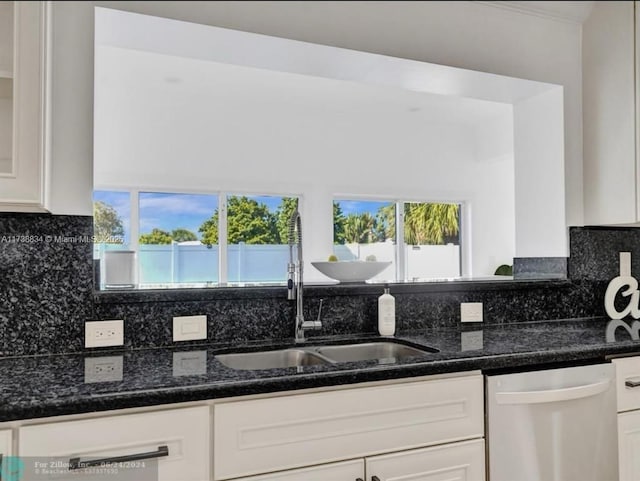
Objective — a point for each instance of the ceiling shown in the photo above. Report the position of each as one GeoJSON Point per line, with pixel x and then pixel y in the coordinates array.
{"type": "Point", "coordinates": [197, 82]}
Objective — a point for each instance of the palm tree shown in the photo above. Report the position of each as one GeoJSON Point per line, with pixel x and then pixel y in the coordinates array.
{"type": "Point", "coordinates": [338, 223]}
{"type": "Point", "coordinates": [386, 223]}
{"type": "Point", "coordinates": [358, 228]}
{"type": "Point", "coordinates": [430, 223]}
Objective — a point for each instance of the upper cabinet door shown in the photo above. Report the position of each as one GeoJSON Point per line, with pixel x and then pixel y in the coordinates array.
{"type": "Point", "coordinates": [610, 112]}
{"type": "Point", "coordinates": [23, 105]}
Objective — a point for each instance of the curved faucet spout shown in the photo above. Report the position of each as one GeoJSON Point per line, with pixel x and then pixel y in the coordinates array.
{"type": "Point", "coordinates": [295, 284]}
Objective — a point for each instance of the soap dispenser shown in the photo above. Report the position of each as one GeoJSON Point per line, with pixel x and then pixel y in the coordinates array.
{"type": "Point", "coordinates": [386, 314]}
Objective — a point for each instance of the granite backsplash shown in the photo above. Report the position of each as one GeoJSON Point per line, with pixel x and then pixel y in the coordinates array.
{"type": "Point", "coordinates": [46, 294]}
{"type": "Point", "coordinates": [46, 290]}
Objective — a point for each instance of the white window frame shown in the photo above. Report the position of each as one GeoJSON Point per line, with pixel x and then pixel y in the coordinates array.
{"type": "Point", "coordinates": [134, 227]}
{"type": "Point", "coordinates": [400, 245]}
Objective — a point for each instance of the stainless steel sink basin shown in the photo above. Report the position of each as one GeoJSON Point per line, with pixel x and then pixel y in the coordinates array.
{"type": "Point", "coordinates": [385, 352]}
{"type": "Point", "coordinates": [279, 359]}
{"type": "Point", "coordinates": [381, 351]}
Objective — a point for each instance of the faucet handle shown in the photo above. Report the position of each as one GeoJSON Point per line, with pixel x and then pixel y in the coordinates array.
{"type": "Point", "coordinates": [319, 310]}
{"type": "Point", "coordinates": [317, 324]}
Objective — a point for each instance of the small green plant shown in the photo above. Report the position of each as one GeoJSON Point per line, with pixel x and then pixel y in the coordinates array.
{"type": "Point", "coordinates": [504, 270]}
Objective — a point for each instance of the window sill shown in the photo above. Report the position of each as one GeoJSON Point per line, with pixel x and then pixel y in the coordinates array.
{"type": "Point", "coordinates": [355, 289]}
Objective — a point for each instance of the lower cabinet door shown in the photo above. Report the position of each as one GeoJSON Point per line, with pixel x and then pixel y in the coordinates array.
{"type": "Point", "coordinates": [458, 461]}
{"type": "Point", "coordinates": [5, 443]}
{"type": "Point", "coordinates": [171, 445]}
{"type": "Point", "coordinates": [258, 436]}
{"type": "Point", "coordinates": [346, 471]}
{"type": "Point", "coordinates": [629, 446]}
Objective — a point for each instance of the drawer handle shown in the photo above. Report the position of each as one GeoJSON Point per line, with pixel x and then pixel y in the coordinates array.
{"type": "Point", "coordinates": [75, 463]}
{"type": "Point", "coordinates": [632, 382]}
{"type": "Point", "coordinates": [359, 479]}
{"type": "Point", "coordinates": [375, 478]}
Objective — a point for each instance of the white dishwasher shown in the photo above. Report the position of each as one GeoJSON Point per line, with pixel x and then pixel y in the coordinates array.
{"type": "Point", "coordinates": [553, 425]}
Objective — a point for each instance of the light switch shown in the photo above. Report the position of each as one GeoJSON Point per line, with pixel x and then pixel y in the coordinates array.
{"type": "Point", "coordinates": [471, 312]}
{"type": "Point", "coordinates": [189, 328]}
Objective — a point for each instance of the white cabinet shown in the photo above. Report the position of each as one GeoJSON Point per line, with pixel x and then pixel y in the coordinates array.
{"type": "Point", "coordinates": [23, 105]}
{"type": "Point", "coordinates": [6, 446]}
{"type": "Point", "coordinates": [6, 85]}
{"type": "Point", "coordinates": [345, 471]}
{"type": "Point", "coordinates": [611, 182]}
{"type": "Point", "coordinates": [627, 383]}
{"type": "Point", "coordinates": [628, 393]}
{"type": "Point", "coordinates": [178, 439]}
{"type": "Point", "coordinates": [629, 445]}
{"type": "Point", "coordinates": [457, 461]}
{"type": "Point", "coordinates": [430, 429]}
{"type": "Point", "coordinates": [5, 443]}
{"type": "Point", "coordinates": [282, 433]}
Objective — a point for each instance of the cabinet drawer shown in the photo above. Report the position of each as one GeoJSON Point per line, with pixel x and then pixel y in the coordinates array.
{"type": "Point", "coordinates": [458, 461]}
{"type": "Point", "coordinates": [345, 471]}
{"type": "Point", "coordinates": [628, 371]}
{"type": "Point", "coordinates": [5, 443]}
{"type": "Point", "coordinates": [275, 434]}
{"type": "Point", "coordinates": [184, 432]}
{"type": "Point", "coordinates": [629, 446]}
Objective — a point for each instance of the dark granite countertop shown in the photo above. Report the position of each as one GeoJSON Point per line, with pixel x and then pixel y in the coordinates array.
{"type": "Point", "coordinates": [42, 386]}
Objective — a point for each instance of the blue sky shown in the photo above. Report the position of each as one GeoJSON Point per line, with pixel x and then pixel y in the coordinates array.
{"type": "Point", "coordinates": [162, 211]}
{"type": "Point", "coordinates": [170, 211]}
{"type": "Point", "coordinates": [121, 203]}
{"type": "Point", "coordinates": [360, 206]}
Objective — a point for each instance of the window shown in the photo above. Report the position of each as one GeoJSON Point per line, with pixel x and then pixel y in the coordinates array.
{"type": "Point", "coordinates": [189, 240]}
{"type": "Point", "coordinates": [173, 249]}
{"type": "Point", "coordinates": [431, 240]}
{"type": "Point", "coordinates": [422, 239]}
{"type": "Point", "coordinates": [365, 230]}
{"type": "Point", "coordinates": [111, 221]}
{"type": "Point", "coordinates": [257, 235]}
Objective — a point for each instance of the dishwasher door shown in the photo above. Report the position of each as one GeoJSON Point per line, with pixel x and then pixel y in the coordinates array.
{"type": "Point", "coordinates": [553, 425]}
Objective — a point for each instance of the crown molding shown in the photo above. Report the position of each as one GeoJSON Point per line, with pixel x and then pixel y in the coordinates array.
{"type": "Point", "coordinates": [575, 12]}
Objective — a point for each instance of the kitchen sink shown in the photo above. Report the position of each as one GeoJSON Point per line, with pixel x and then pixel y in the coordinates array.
{"type": "Point", "coordinates": [279, 359]}
{"type": "Point", "coordinates": [385, 352]}
{"type": "Point", "coordinates": [381, 351]}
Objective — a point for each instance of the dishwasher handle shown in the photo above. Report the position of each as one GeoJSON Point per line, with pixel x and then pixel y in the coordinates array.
{"type": "Point", "coordinates": [553, 395]}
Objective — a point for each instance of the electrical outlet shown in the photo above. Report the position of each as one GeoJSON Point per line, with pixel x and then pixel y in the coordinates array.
{"type": "Point", "coordinates": [471, 312]}
{"type": "Point", "coordinates": [103, 369]}
{"type": "Point", "coordinates": [189, 328]}
{"type": "Point", "coordinates": [103, 333]}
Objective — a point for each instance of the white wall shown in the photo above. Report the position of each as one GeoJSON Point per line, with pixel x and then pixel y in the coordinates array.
{"type": "Point", "coordinates": [537, 140]}
{"type": "Point", "coordinates": [463, 34]}
{"type": "Point", "coordinates": [495, 177]}
{"type": "Point", "coordinates": [247, 130]}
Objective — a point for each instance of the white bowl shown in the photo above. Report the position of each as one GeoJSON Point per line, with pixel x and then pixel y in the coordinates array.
{"type": "Point", "coordinates": [351, 271]}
